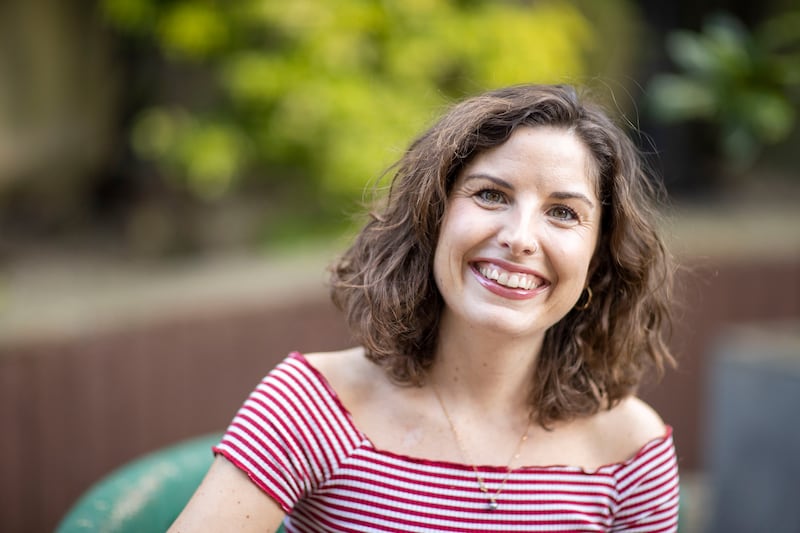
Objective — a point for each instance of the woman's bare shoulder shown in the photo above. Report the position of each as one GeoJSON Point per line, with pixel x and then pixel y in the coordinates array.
{"type": "Point", "coordinates": [622, 431]}
{"type": "Point", "coordinates": [318, 359]}
{"type": "Point", "coordinates": [341, 366]}
{"type": "Point", "coordinates": [632, 424]}
{"type": "Point", "coordinates": [636, 418]}
{"type": "Point", "coordinates": [354, 377]}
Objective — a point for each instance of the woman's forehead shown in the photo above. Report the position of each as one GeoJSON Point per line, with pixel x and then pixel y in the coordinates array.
{"type": "Point", "coordinates": [555, 152]}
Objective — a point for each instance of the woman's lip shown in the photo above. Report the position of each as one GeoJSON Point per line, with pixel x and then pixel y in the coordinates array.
{"type": "Point", "coordinates": [508, 267]}
{"type": "Point", "coordinates": [507, 292]}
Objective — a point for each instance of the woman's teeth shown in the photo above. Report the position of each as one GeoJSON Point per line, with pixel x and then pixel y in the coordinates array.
{"type": "Point", "coordinates": [514, 280]}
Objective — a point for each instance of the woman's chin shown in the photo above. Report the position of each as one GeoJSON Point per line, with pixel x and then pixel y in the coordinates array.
{"type": "Point", "coordinates": [507, 327]}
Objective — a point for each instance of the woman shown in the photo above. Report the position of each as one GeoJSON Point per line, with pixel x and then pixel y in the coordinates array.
{"type": "Point", "coordinates": [507, 299]}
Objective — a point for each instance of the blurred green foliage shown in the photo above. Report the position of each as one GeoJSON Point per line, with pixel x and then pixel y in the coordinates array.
{"type": "Point", "coordinates": [743, 82]}
{"type": "Point", "coordinates": [330, 93]}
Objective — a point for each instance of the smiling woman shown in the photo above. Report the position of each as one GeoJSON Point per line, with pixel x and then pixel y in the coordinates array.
{"type": "Point", "coordinates": [507, 297]}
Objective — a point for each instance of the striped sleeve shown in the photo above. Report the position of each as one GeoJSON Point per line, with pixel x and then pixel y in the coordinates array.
{"type": "Point", "coordinates": [290, 434]}
{"type": "Point", "coordinates": [648, 490]}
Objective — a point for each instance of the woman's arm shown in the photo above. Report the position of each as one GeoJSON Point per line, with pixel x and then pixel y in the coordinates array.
{"type": "Point", "coordinates": [227, 500]}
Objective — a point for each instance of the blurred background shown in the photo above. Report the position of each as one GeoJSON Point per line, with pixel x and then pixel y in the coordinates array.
{"type": "Point", "coordinates": [175, 176]}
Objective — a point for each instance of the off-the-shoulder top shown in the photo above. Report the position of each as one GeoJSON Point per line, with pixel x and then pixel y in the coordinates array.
{"type": "Point", "coordinates": [298, 443]}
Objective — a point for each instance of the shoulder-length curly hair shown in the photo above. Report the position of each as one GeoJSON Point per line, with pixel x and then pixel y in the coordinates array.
{"type": "Point", "coordinates": [592, 358]}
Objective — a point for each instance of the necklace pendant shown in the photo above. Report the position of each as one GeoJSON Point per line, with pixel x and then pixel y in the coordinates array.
{"type": "Point", "coordinates": [492, 505]}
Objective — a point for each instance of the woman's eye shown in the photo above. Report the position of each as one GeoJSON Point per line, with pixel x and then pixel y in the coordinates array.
{"type": "Point", "coordinates": [563, 213]}
{"type": "Point", "coordinates": [490, 196]}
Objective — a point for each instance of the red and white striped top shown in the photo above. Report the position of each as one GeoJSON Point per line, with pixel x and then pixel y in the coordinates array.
{"type": "Point", "coordinates": [298, 443]}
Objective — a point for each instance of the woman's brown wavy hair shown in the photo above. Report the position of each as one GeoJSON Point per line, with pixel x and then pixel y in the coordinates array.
{"type": "Point", "coordinates": [591, 358]}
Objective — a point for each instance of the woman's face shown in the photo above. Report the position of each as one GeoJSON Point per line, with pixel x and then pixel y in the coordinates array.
{"type": "Point", "coordinates": [518, 235]}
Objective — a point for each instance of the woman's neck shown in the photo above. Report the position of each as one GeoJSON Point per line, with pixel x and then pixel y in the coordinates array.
{"type": "Point", "coordinates": [484, 371]}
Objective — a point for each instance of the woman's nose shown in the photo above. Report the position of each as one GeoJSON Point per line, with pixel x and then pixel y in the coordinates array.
{"type": "Point", "coordinates": [518, 235]}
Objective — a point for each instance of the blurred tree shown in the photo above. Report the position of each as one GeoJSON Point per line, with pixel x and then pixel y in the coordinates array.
{"type": "Point", "coordinates": [320, 96]}
{"type": "Point", "coordinates": [746, 84]}
{"type": "Point", "coordinates": [122, 121]}
{"type": "Point", "coordinates": [324, 88]}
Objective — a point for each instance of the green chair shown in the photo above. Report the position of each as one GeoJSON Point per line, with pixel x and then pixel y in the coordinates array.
{"type": "Point", "coordinates": [145, 495]}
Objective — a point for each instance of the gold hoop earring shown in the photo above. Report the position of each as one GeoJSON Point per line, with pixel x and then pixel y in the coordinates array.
{"type": "Point", "coordinates": [585, 305]}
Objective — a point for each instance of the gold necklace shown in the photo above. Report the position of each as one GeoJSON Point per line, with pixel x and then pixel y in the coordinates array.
{"type": "Point", "coordinates": [492, 505]}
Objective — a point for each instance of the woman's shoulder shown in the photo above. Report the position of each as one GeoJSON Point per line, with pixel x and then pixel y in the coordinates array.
{"type": "Point", "coordinates": [354, 378]}
{"type": "Point", "coordinates": [324, 360]}
{"type": "Point", "coordinates": [343, 369]}
{"type": "Point", "coordinates": [636, 419]}
{"type": "Point", "coordinates": [391, 416]}
{"type": "Point", "coordinates": [622, 432]}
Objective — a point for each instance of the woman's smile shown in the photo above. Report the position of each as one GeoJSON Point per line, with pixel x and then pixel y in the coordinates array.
{"type": "Point", "coordinates": [519, 233]}
{"type": "Point", "coordinates": [508, 281]}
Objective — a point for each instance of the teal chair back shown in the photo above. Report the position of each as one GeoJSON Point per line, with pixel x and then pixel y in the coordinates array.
{"type": "Point", "coordinates": [145, 495]}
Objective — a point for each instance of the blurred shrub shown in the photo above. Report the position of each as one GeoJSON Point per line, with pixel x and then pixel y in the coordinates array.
{"type": "Point", "coordinates": [743, 82]}
{"type": "Point", "coordinates": [329, 93]}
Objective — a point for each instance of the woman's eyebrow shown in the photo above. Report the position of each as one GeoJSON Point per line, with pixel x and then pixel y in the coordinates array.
{"type": "Point", "coordinates": [557, 195]}
{"type": "Point", "coordinates": [493, 179]}
{"type": "Point", "coordinates": [567, 195]}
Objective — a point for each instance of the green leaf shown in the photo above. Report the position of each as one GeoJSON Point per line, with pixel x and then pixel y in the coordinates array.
{"type": "Point", "coordinates": [213, 155]}
{"type": "Point", "coordinates": [730, 45]}
{"type": "Point", "coordinates": [691, 52]}
{"type": "Point", "coordinates": [769, 115]}
{"type": "Point", "coordinates": [673, 98]}
{"type": "Point", "coordinates": [131, 15]}
{"type": "Point", "coordinates": [155, 133]}
{"type": "Point", "coordinates": [193, 30]}
{"type": "Point", "coordinates": [780, 33]}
